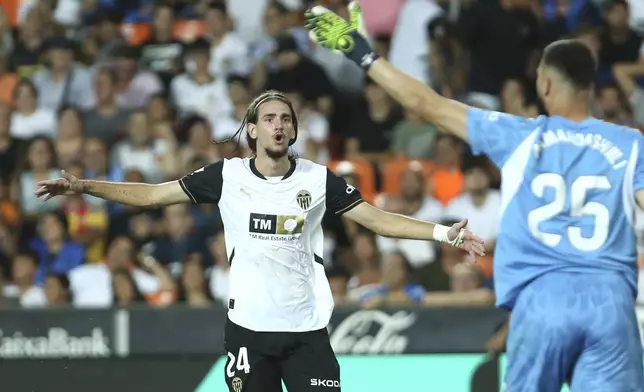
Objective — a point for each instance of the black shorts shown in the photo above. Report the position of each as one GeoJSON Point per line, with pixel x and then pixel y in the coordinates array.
{"type": "Point", "coordinates": [259, 361]}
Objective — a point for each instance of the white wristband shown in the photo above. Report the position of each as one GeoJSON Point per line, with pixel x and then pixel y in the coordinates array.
{"type": "Point", "coordinates": [440, 233]}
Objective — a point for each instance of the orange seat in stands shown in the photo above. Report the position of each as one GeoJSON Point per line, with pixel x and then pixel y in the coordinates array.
{"type": "Point", "coordinates": [184, 30]}
{"type": "Point", "coordinates": [365, 172]}
{"type": "Point", "coordinates": [393, 171]}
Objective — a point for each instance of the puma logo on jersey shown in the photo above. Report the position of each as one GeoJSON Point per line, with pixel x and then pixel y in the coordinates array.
{"type": "Point", "coordinates": [244, 192]}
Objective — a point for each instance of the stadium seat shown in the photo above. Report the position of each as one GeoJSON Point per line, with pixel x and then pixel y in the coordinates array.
{"type": "Point", "coordinates": [394, 169]}
{"type": "Point", "coordinates": [185, 30]}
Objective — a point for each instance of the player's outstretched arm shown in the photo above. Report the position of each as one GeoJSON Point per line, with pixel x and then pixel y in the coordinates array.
{"type": "Point", "coordinates": [400, 226]}
{"type": "Point", "coordinates": [134, 194]}
{"type": "Point", "coordinates": [349, 38]}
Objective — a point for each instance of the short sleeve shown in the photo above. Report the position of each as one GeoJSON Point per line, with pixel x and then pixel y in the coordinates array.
{"type": "Point", "coordinates": [204, 185]}
{"type": "Point", "coordinates": [497, 134]}
{"type": "Point", "coordinates": [638, 176]}
{"type": "Point", "coordinates": [340, 196]}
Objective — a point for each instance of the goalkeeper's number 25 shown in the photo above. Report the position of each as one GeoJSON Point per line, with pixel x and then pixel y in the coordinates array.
{"type": "Point", "coordinates": [579, 207]}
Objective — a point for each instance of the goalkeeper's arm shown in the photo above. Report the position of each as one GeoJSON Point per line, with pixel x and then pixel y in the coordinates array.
{"type": "Point", "coordinates": [335, 33]}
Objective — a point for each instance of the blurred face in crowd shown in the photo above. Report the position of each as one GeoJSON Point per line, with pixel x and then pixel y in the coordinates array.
{"type": "Point", "coordinates": [69, 124]}
{"type": "Point", "coordinates": [177, 219]}
{"type": "Point", "coordinates": [134, 176]}
{"type": "Point", "coordinates": [51, 229]}
{"type": "Point", "coordinates": [141, 226]}
{"type": "Point", "coordinates": [104, 87]}
{"type": "Point", "coordinates": [201, 58]}
{"type": "Point", "coordinates": [60, 59]}
{"type": "Point", "coordinates": [609, 102]}
{"type": "Point", "coordinates": [338, 286]}
{"type": "Point", "coordinates": [274, 128]}
{"type": "Point", "coordinates": [591, 39]}
{"type": "Point", "coordinates": [447, 151]}
{"type": "Point", "coordinates": [617, 16]}
{"type": "Point", "coordinates": [218, 250]}
{"type": "Point", "coordinates": [157, 109]}
{"type": "Point", "coordinates": [125, 69]}
{"type": "Point", "coordinates": [273, 21]}
{"type": "Point", "coordinates": [25, 98]}
{"type": "Point", "coordinates": [40, 155]}
{"type": "Point", "coordinates": [138, 129]}
{"type": "Point", "coordinates": [163, 20]}
{"type": "Point", "coordinates": [31, 25]}
{"type": "Point", "coordinates": [239, 94]}
{"type": "Point", "coordinates": [5, 119]}
{"type": "Point", "coordinates": [512, 96]}
{"type": "Point", "coordinates": [120, 253]}
{"type": "Point", "coordinates": [55, 292]}
{"type": "Point", "coordinates": [95, 156]}
{"type": "Point", "coordinates": [193, 277]}
{"type": "Point", "coordinates": [476, 180]}
{"type": "Point", "coordinates": [199, 135]}
{"type": "Point", "coordinates": [412, 185]}
{"type": "Point", "coordinates": [364, 249]}
{"type": "Point", "coordinates": [24, 268]}
{"type": "Point", "coordinates": [395, 204]}
{"type": "Point", "coordinates": [288, 59]}
{"type": "Point", "coordinates": [394, 271]}
{"type": "Point", "coordinates": [464, 277]}
{"type": "Point", "coordinates": [216, 22]}
{"type": "Point", "coordinates": [124, 289]}
{"type": "Point", "coordinates": [108, 31]}
{"type": "Point", "coordinates": [296, 100]}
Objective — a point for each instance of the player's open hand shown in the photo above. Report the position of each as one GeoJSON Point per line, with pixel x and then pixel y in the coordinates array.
{"type": "Point", "coordinates": [466, 240]}
{"type": "Point", "coordinates": [67, 185]}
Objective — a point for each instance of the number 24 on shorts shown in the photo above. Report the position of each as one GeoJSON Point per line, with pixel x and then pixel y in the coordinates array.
{"type": "Point", "coordinates": [241, 363]}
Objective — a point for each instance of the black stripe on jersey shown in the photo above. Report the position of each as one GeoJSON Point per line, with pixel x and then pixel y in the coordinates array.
{"type": "Point", "coordinates": [232, 256]}
{"type": "Point", "coordinates": [185, 189]}
{"type": "Point", "coordinates": [318, 259]}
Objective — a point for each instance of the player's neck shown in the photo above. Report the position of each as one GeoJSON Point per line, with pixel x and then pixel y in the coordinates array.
{"type": "Point", "coordinates": [572, 108]}
{"type": "Point", "coordinates": [270, 167]}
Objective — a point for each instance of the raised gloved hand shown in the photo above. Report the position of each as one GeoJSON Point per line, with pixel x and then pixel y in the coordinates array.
{"type": "Point", "coordinates": [347, 37]}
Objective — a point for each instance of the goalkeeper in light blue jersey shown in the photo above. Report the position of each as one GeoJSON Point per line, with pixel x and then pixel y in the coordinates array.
{"type": "Point", "coordinates": [565, 260]}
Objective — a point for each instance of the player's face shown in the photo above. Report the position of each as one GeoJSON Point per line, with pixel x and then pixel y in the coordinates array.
{"type": "Point", "coordinates": [274, 129]}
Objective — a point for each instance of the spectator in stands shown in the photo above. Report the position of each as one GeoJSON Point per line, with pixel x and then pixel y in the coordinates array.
{"type": "Point", "coordinates": [611, 107]}
{"type": "Point", "coordinates": [199, 90]}
{"type": "Point", "coordinates": [28, 120]}
{"type": "Point", "coordinates": [194, 287]}
{"type": "Point", "coordinates": [97, 167]}
{"type": "Point", "coordinates": [57, 290]}
{"type": "Point", "coordinates": [105, 121]}
{"type": "Point", "coordinates": [338, 282]}
{"type": "Point", "coordinates": [513, 97]}
{"type": "Point", "coordinates": [10, 146]}
{"type": "Point", "coordinates": [126, 292]}
{"type": "Point", "coordinates": [41, 164]}
{"type": "Point", "coordinates": [28, 48]}
{"type": "Point", "coordinates": [199, 145]}
{"type": "Point", "coordinates": [504, 39]}
{"type": "Point", "coordinates": [220, 270]}
{"type": "Point", "coordinates": [365, 266]}
{"type": "Point", "coordinates": [226, 126]}
{"type": "Point", "coordinates": [161, 52]}
{"type": "Point", "coordinates": [466, 289]}
{"type": "Point", "coordinates": [619, 43]}
{"type": "Point", "coordinates": [140, 151]}
{"type": "Point", "coordinates": [62, 82]}
{"type": "Point", "coordinates": [479, 203]}
{"type": "Point", "coordinates": [413, 203]}
{"type": "Point", "coordinates": [229, 52]}
{"type": "Point", "coordinates": [8, 80]}
{"type": "Point", "coordinates": [396, 289]}
{"type": "Point", "coordinates": [92, 284]}
{"type": "Point", "coordinates": [373, 126]}
{"type": "Point", "coordinates": [447, 179]}
{"type": "Point", "coordinates": [296, 72]}
{"type": "Point", "coordinates": [140, 227]}
{"type": "Point", "coordinates": [172, 246]}
{"type": "Point", "coordinates": [88, 222]}
{"type": "Point", "coordinates": [9, 210]}
{"type": "Point", "coordinates": [414, 138]}
{"type": "Point", "coordinates": [69, 144]}
{"type": "Point", "coordinates": [56, 253]}
{"type": "Point", "coordinates": [313, 130]}
{"type": "Point", "coordinates": [6, 35]}
{"type": "Point", "coordinates": [626, 75]}
{"type": "Point", "coordinates": [159, 113]}
{"type": "Point", "coordinates": [24, 289]}
{"type": "Point", "coordinates": [135, 85]}
{"type": "Point", "coordinates": [109, 37]}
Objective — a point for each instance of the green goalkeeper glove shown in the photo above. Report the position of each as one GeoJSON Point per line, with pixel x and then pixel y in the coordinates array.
{"type": "Point", "coordinates": [349, 38]}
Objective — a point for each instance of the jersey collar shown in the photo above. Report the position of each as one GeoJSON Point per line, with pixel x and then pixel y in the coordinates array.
{"type": "Point", "coordinates": [256, 172]}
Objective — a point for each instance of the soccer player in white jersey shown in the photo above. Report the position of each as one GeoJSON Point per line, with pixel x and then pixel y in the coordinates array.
{"type": "Point", "coordinates": [272, 207]}
{"type": "Point", "coordinates": [565, 263]}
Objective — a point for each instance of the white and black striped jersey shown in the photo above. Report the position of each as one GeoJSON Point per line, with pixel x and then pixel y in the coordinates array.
{"type": "Point", "coordinates": [274, 239]}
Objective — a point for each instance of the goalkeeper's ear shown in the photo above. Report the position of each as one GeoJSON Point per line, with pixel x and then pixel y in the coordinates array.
{"type": "Point", "coordinates": [355, 13]}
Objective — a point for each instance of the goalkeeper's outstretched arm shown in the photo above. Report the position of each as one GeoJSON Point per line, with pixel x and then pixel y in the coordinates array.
{"type": "Point", "coordinates": [349, 38]}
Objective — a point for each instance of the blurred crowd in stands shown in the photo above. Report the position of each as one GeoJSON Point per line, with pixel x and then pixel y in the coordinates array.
{"type": "Point", "coordinates": [136, 91]}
